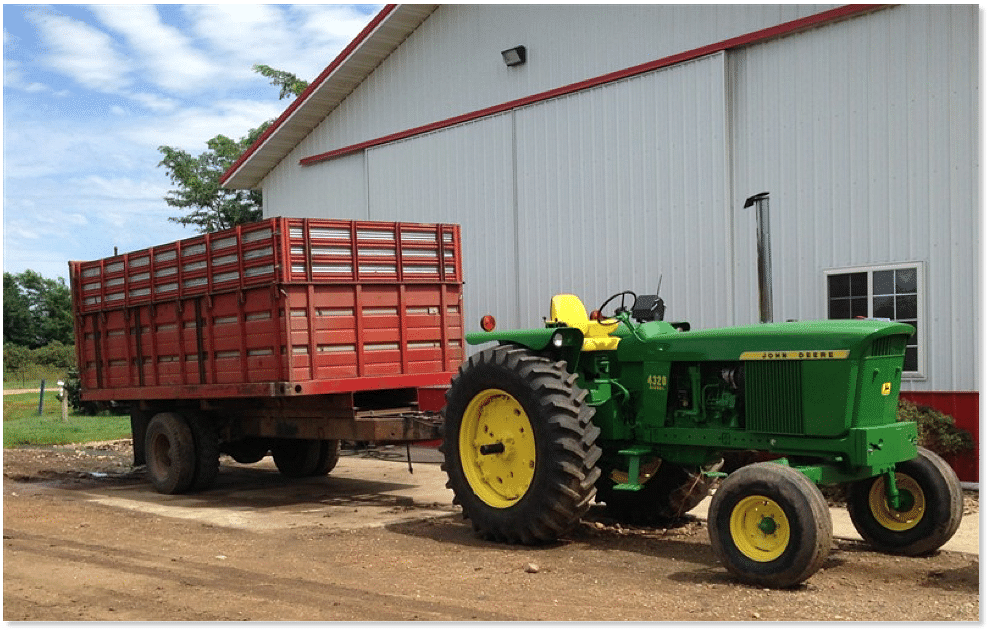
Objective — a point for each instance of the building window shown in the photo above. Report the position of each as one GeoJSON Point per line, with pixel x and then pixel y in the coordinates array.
{"type": "Point", "coordinates": [890, 292]}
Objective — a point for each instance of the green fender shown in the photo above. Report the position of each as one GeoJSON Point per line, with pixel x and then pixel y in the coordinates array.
{"type": "Point", "coordinates": [563, 342]}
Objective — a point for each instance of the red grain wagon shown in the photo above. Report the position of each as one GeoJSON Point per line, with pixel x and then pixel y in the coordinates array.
{"type": "Point", "coordinates": [284, 335]}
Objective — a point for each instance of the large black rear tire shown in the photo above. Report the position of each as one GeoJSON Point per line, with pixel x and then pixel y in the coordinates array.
{"type": "Point", "coordinates": [297, 458]}
{"type": "Point", "coordinates": [518, 446]}
{"type": "Point", "coordinates": [207, 443]}
{"type": "Point", "coordinates": [929, 518]}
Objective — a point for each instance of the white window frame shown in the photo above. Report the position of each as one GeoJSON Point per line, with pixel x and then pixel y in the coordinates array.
{"type": "Point", "coordinates": [915, 375]}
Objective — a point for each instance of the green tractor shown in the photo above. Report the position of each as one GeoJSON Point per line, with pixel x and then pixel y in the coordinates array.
{"type": "Point", "coordinates": [648, 415]}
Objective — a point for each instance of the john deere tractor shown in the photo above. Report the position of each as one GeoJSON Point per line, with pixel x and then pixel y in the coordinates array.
{"type": "Point", "coordinates": [647, 415]}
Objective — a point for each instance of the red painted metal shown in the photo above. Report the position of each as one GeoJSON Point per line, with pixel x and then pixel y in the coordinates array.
{"type": "Point", "coordinates": [754, 37]}
{"type": "Point", "coordinates": [964, 408]}
{"type": "Point", "coordinates": [280, 307]}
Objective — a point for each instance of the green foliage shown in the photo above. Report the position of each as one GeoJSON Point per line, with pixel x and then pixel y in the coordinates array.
{"type": "Point", "coordinates": [197, 178]}
{"type": "Point", "coordinates": [288, 84]}
{"type": "Point", "coordinates": [73, 390]}
{"type": "Point", "coordinates": [16, 357]}
{"type": "Point", "coordinates": [23, 426]}
{"type": "Point", "coordinates": [936, 430]}
{"type": "Point", "coordinates": [36, 310]}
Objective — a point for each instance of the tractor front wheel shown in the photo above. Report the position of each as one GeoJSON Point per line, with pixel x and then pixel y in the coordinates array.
{"type": "Point", "coordinates": [770, 525]}
{"type": "Point", "coordinates": [518, 446]}
{"type": "Point", "coordinates": [926, 516]}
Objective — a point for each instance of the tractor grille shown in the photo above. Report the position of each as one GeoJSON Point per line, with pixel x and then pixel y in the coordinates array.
{"type": "Point", "coordinates": [774, 397]}
{"type": "Point", "coordinates": [886, 346]}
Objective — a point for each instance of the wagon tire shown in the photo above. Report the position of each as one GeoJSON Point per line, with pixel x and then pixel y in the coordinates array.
{"type": "Point", "coordinates": [207, 443]}
{"type": "Point", "coordinates": [929, 519]}
{"type": "Point", "coordinates": [296, 458]}
{"type": "Point", "coordinates": [519, 446]}
{"type": "Point", "coordinates": [329, 455]}
{"type": "Point", "coordinates": [247, 450]}
{"type": "Point", "coordinates": [770, 525]}
{"type": "Point", "coordinates": [170, 450]}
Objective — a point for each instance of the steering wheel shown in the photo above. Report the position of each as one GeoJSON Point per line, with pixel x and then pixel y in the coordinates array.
{"type": "Point", "coordinates": [621, 309]}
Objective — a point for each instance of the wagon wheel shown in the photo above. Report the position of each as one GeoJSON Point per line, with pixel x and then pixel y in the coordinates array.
{"type": "Point", "coordinates": [207, 445]}
{"type": "Point", "coordinates": [247, 450]}
{"type": "Point", "coordinates": [518, 446]}
{"type": "Point", "coordinates": [170, 451]}
{"type": "Point", "coordinates": [297, 458]}
{"type": "Point", "coordinates": [770, 525]}
{"type": "Point", "coordinates": [927, 516]}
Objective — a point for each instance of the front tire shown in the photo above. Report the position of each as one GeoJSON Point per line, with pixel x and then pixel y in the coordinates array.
{"type": "Point", "coordinates": [519, 446]}
{"type": "Point", "coordinates": [770, 525]}
{"type": "Point", "coordinates": [929, 517]}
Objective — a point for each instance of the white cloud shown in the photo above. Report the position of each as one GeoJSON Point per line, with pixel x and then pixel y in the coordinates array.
{"type": "Point", "coordinates": [167, 56]}
{"type": "Point", "coordinates": [155, 102]}
{"type": "Point", "coordinates": [81, 52]}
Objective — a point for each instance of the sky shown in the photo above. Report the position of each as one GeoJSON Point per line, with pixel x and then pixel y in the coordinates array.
{"type": "Point", "coordinates": [91, 91]}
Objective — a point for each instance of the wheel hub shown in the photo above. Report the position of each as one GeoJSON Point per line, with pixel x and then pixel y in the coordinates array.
{"type": "Point", "coordinates": [759, 528]}
{"type": "Point", "coordinates": [910, 506]}
{"type": "Point", "coordinates": [497, 448]}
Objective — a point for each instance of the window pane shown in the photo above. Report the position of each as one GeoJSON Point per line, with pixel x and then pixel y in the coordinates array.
{"type": "Point", "coordinates": [839, 309]}
{"type": "Point", "coordinates": [859, 284]}
{"type": "Point", "coordinates": [906, 307]}
{"type": "Point", "coordinates": [860, 307]}
{"type": "Point", "coordinates": [913, 338]}
{"type": "Point", "coordinates": [910, 360]}
{"type": "Point", "coordinates": [882, 307]}
{"type": "Point", "coordinates": [906, 280]}
{"type": "Point", "coordinates": [882, 283]}
{"type": "Point", "coordinates": [838, 286]}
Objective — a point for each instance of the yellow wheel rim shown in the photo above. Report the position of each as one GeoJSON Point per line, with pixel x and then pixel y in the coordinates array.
{"type": "Point", "coordinates": [497, 448]}
{"type": "Point", "coordinates": [911, 512]}
{"type": "Point", "coordinates": [759, 528]}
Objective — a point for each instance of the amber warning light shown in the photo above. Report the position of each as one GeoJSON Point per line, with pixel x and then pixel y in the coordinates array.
{"type": "Point", "coordinates": [488, 323]}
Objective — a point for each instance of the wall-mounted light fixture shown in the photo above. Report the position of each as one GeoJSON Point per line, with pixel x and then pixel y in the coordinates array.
{"type": "Point", "coordinates": [514, 56]}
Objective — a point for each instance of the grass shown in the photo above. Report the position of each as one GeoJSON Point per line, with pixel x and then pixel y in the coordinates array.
{"type": "Point", "coordinates": [23, 426]}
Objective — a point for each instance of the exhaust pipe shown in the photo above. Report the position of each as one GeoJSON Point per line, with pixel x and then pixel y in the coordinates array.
{"type": "Point", "coordinates": [764, 259]}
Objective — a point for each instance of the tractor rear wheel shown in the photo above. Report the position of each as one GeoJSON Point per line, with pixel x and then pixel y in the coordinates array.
{"type": "Point", "coordinates": [668, 494]}
{"type": "Point", "coordinates": [770, 525]}
{"type": "Point", "coordinates": [518, 446]}
{"type": "Point", "coordinates": [929, 515]}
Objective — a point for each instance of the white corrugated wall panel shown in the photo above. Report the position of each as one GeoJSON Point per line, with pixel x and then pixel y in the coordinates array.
{"type": "Point", "coordinates": [337, 190]}
{"type": "Point", "coordinates": [622, 183]}
{"type": "Point", "coordinates": [459, 175]}
{"type": "Point", "coordinates": [452, 65]}
{"type": "Point", "coordinates": [865, 133]}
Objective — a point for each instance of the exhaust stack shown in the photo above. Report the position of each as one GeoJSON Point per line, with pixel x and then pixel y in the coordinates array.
{"type": "Point", "coordinates": [764, 258]}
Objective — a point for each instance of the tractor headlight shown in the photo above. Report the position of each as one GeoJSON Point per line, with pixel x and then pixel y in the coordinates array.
{"type": "Point", "coordinates": [557, 340]}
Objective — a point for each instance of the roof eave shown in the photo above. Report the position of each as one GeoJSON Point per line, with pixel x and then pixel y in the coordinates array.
{"type": "Point", "coordinates": [383, 34]}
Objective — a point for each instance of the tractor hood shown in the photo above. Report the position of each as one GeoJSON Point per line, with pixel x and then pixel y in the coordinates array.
{"type": "Point", "coordinates": [823, 339]}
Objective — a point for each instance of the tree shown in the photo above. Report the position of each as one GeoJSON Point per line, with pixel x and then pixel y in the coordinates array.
{"type": "Point", "coordinates": [197, 178]}
{"type": "Point", "coordinates": [36, 310]}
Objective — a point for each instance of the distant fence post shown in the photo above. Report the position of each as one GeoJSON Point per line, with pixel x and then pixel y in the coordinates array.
{"type": "Point", "coordinates": [41, 399]}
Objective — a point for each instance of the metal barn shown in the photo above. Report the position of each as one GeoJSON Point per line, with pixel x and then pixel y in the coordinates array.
{"type": "Point", "coordinates": [593, 148]}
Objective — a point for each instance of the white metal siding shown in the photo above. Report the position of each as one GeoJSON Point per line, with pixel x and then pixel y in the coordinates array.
{"type": "Point", "coordinates": [452, 65]}
{"type": "Point", "coordinates": [622, 183]}
{"type": "Point", "coordinates": [865, 133]}
{"type": "Point", "coordinates": [459, 175]}
{"type": "Point", "coordinates": [338, 191]}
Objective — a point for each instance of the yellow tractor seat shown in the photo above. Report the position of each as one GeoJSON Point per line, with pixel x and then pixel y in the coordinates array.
{"type": "Point", "coordinates": [569, 310]}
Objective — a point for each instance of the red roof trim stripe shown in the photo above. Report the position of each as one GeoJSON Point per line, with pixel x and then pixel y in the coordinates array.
{"type": "Point", "coordinates": [346, 52]}
{"type": "Point", "coordinates": [750, 38]}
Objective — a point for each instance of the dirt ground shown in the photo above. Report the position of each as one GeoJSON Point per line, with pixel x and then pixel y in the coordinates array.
{"type": "Point", "coordinates": [85, 538]}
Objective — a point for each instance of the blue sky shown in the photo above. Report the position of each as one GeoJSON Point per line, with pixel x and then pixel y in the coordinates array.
{"type": "Point", "coordinates": [91, 92]}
